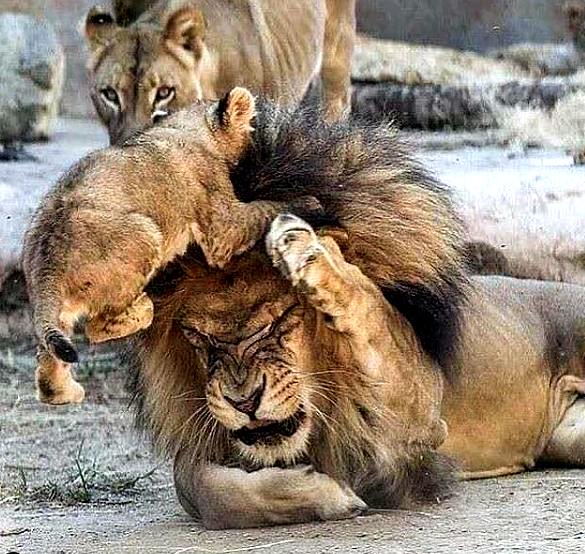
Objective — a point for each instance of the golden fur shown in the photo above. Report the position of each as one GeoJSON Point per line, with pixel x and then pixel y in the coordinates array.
{"type": "Point", "coordinates": [312, 390]}
{"type": "Point", "coordinates": [121, 214]}
{"type": "Point", "coordinates": [333, 372]}
{"type": "Point", "coordinates": [180, 51]}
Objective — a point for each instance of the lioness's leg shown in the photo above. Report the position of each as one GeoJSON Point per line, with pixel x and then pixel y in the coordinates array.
{"type": "Point", "coordinates": [337, 54]}
{"type": "Point", "coordinates": [233, 498]}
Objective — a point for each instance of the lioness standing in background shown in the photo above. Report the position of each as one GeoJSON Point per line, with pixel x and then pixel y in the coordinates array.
{"type": "Point", "coordinates": [179, 51]}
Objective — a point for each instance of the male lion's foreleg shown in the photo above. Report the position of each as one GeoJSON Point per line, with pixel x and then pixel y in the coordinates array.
{"type": "Point", "coordinates": [226, 498]}
{"type": "Point", "coordinates": [316, 267]}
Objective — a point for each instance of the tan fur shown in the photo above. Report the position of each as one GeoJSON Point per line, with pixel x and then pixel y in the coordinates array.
{"type": "Point", "coordinates": [521, 367]}
{"type": "Point", "coordinates": [180, 51]}
{"type": "Point", "coordinates": [343, 356]}
{"type": "Point", "coordinates": [121, 214]}
{"type": "Point", "coordinates": [519, 372]}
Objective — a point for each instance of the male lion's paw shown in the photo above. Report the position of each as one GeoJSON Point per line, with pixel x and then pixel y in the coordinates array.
{"type": "Point", "coordinates": [293, 245]}
{"type": "Point", "coordinates": [339, 502]}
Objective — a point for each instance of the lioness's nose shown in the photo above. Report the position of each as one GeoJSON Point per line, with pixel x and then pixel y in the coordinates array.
{"type": "Point", "coordinates": [248, 405]}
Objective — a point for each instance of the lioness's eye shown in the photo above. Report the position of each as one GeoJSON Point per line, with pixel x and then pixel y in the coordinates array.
{"type": "Point", "coordinates": [164, 93]}
{"type": "Point", "coordinates": [110, 95]}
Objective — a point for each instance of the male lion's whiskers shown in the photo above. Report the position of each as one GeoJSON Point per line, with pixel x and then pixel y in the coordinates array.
{"type": "Point", "coordinates": [192, 421]}
{"type": "Point", "coordinates": [202, 433]}
{"type": "Point", "coordinates": [184, 395]}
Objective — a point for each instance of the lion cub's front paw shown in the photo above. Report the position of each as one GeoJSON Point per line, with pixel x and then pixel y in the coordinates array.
{"type": "Point", "coordinates": [136, 317]}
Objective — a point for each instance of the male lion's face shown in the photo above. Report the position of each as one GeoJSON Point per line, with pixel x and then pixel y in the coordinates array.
{"type": "Point", "coordinates": [140, 72]}
{"type": "Point", "coordinates": [251, 333]}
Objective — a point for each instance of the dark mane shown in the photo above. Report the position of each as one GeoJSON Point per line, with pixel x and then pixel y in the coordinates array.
{"type": "Point", "coordinates": [403, 231]}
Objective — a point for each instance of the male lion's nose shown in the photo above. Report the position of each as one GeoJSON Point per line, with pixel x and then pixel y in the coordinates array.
{"type": "Point", "coordinates": [248, 405]}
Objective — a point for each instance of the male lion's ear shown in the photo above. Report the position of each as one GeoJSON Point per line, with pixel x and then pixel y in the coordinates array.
{"type": "Point", "coordinates": [236, 110]}
{"type": "Point", "coordinates": [99, 27]}
{"type": "Point", "coordinates": [186, 28]}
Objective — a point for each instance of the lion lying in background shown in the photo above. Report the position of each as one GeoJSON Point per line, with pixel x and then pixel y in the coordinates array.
{"type": "Point", "coordinates": [179, 51]}
{"type": "Point", "coordinates": [311, 390]}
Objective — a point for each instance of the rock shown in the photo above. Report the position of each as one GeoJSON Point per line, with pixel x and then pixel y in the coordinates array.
{"type": "Point", "coordinates": [428, 87]}
{"type": "Point", "coordinates": [377, 61]}
{"type": "Point", "coordinates": [475, 106]}
{"type": "Point", "coordinates": [547, 59]}
{"type": "Point", "coordinates": [32, 66]}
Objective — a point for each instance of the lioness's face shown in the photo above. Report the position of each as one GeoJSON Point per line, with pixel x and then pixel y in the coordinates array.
{"type": "Point", "coordinates": [251, 333]}
{"type": "Point", "coordinates": [140, 72]}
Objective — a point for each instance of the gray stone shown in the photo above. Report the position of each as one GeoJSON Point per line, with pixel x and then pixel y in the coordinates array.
{"type": "Point", "coordinates": [438, 106]}
{"type": "Point", "coordinates": [377, 60]}
{"type": "Point", "coordinates": [542, 59]}
{"type": "Point", "coordinates": [32, 66]}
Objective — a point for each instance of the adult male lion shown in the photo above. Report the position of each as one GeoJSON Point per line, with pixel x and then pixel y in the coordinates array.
{"type": "Point", "coordinates": [179, 51]}
{"type": "Point", "coordinates": [336, 359]}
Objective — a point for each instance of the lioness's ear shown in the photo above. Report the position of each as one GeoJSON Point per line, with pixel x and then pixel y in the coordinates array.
{"type": "Point", "coordinates": [99, 27]}
{"type": "Point", "coordinates": [186, 28]}
{"type": "Point", "coordinates": [236, 110]}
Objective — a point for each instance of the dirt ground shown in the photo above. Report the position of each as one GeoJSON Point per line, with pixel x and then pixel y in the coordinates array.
{"type": "Point", "coordinates": [78, 480]}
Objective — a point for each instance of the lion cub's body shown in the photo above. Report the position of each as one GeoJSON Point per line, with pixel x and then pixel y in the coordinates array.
{"type": "Point", "coordinates": [121, 214]}
{"type": "Point", "coordinates": [200, 49]}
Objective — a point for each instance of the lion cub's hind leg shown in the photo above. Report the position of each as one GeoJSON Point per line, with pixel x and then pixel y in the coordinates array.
{"type": "Point", "coordinates": [134, 318]}
{"type": "Point", "coordinates": [55, 383]}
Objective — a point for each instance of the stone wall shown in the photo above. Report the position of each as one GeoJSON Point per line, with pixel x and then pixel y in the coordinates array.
{"type": "Point", "coordinates": [466, 24]}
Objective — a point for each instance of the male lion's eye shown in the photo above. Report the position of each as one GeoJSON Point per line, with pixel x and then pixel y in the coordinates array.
{"type": "Point", "coordinates": [196, 338]}
{"type": "Point", "coordinates": [164, 93]}
{"type": "Point", "coordinates": [110, 95]}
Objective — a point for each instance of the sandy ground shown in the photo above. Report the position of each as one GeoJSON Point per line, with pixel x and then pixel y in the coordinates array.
{"type": "Point", "coordinates": [78, 480]}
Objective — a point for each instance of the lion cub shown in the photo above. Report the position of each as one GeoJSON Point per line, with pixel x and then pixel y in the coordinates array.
{"type": "Point", "coordinates": [122, 213]}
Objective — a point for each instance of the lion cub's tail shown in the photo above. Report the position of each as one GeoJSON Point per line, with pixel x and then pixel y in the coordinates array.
{"type": "Point", "coordinates": [60, 345]}
{"type": "Point", "coordinates": [48, 327]}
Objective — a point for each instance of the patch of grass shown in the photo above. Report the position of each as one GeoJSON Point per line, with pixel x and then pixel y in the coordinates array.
{"type": "Point", "coordinates": [82, 483]}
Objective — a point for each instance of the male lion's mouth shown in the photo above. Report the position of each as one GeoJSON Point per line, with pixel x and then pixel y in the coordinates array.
{"type": "Point", "coordinates": [269, 432]}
